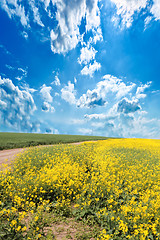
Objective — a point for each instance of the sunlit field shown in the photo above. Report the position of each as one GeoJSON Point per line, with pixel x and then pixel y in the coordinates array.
{"type": "Point", "coordinates": [111, 185]}
{"type": "Point", "coordinates": [21, 140]}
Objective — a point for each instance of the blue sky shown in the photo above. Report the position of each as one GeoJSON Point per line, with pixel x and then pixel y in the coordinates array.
{"type": "Point", "coordinates": [86, 67]}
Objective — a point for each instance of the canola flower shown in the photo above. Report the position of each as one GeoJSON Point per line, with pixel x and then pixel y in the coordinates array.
{"type": "Point", "coordinates": [116, 181]}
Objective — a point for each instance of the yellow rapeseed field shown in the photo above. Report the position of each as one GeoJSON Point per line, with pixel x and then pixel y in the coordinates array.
{"type": "Point", "coordinates": [115, 182]}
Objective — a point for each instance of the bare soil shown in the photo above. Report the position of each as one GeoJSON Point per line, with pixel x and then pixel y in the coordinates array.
{"type": "Point", "coordinates": [6, 156]}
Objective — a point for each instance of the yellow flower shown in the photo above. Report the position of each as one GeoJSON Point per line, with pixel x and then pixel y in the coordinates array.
{"type": "Point", "coordinates": [18, 228]}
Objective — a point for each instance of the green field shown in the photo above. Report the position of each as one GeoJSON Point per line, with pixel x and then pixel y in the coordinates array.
{"type": "Point", "coordinates": [20, 140]}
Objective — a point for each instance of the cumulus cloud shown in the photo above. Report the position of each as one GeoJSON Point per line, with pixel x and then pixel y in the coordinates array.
{"type": "Point", "coordinates": [123, 115]}
{"type": "Point", "coordinates": [141, 89]}
{"type": "Point", "coordinates": [126, 106]}
{"type": "Point", "coordinates": [125, 11]}
{"type": "Point", "coordinates": [66, 17]}
{"type": "Point", "coordinates": [155, 9]}
{"type": "Point", "coordinates": [99, 95]}
{"type": "Point", "coordinates": [87, 54]}
{"type": "Point", "coordinates": [16, 107]}
{"type": "Point", "coordinates": [46, 93]}
{"type": "Point", "coordinates": [91, 68]}
{"type": "Point", "coordinates": [47, 98]}
{"type": "Point", "coordinates": [110, 86]}
{"type": "Point", "coordinates": [125, 125]}
{"type": "Point", "coordinates": [69, 16]}
{"type": "Point", "coordinates": [46, 107]}
{"type": "Point", "coordinates": [91, 99]}
{"type": "Point", "coordinates": [68, 93]}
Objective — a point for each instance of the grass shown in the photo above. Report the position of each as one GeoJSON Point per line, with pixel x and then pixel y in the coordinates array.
{"type": "Point", "coordinates": [20, 140]}
{"type": "Point", "coordinates": [106, 189]}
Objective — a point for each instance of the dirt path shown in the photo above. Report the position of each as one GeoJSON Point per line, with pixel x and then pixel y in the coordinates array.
{"type": "Point", "coordinates": [6, 156]}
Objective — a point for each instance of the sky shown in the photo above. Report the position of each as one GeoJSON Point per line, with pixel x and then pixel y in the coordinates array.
{"type": "Point", "coordinates": [85, 67]}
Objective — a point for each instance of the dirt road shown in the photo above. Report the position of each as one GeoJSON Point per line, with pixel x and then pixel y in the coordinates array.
{"type": "Point", "coordinates": [6, 156]}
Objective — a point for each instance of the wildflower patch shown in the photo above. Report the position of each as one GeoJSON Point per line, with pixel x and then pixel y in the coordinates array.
{"type": "Point", "coordinates": [113, 184]}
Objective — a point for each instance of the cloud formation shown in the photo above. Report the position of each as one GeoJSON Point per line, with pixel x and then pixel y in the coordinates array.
{"type": "Point", "coordinates": [46, 93]}
{"type": "Point", "coordinates": [104, 89]}
{"type": "Point", "coordinates": [122, 114]}
{"type": "Point", "coordinates": [87, 54]}
{"type": "Point", "coordinates": [68, 93]}
{"type": "Point", "coordinates": [126, 10]}
{"type": "Point", "coordinates": [46, 107]}
{"type": "Point", "coordinates": [126, 106]}
{"type": "Point", "coordinates": [14, 9]}
{"type": "Point", "coordinates": [47, 98]}
{"type": "Point", "coordinates": [70, 15]}
{"type": "Point", "coordinates": [91, 68]}
{"type": "Point", "coordinates": [67, 19]}
{"type": "Point", "coordinates": [56, 81]}
{"type": "Point", "coordinates": [16, 107]}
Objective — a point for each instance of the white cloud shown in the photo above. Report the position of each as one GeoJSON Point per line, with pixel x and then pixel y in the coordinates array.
{"type": "Point", "coordinates": [47, 99]}
{"type": "Point", "coordinates": [116, 85]}
{"type": "Point", "coordinates": [46, 93]}
{"type": "Point", "coordinates": [75, 80]}
{"type": "Point", "coordinates": [141, 89]}
{"type": "Point", "coordinates": [155, 9]}
{"type": "Point", "coordinates": [23, 73]}
{"type": "Point", "coordinates": [147, 22]}
{"type": "Point", "coordinates": [68, 93]}
{"type": "Point", "coordinates": [36, 14]}
{"type": "Point", "coordinates": [125, 125]}
{"type": "Point", "coordinates": [17, 106]}
{"type": "Point", "coordinates": [91, 68]}
{"type": "Point", "coordinates": [123, 116]}
{"type": "Point", "coordinates": [91, 99]}
{"type": "Point", "coordinates": [125, 11]}
{"type": "Point", "coordinates": [100, 116]}
{"type": "Point", "coordinates": [85, 131]}
{"type": "Point", "coordinates": [56, 81]}
{"type": "Point", "coordinates": [126, 106]}
{"type": "Point", "coordinates": [46, 107]}
{"type": "Point", "coordinates": [13, 8]}
{"type": "Point", "coordinates": [26, 87]}
{"type": "Point", "coordinates": [110, 86]}
{"type": "Point", "coordinates": [69, 16]}
{"type": "Point", "coordinates": [25, 34]}
{"type": "Point", "coordinates": [87, 54]}
{"type": "Point", "coordinates": [65, 32]}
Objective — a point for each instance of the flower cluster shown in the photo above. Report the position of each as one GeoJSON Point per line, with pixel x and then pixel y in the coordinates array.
{"type": "Point", "coordinates": [115, 182]}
